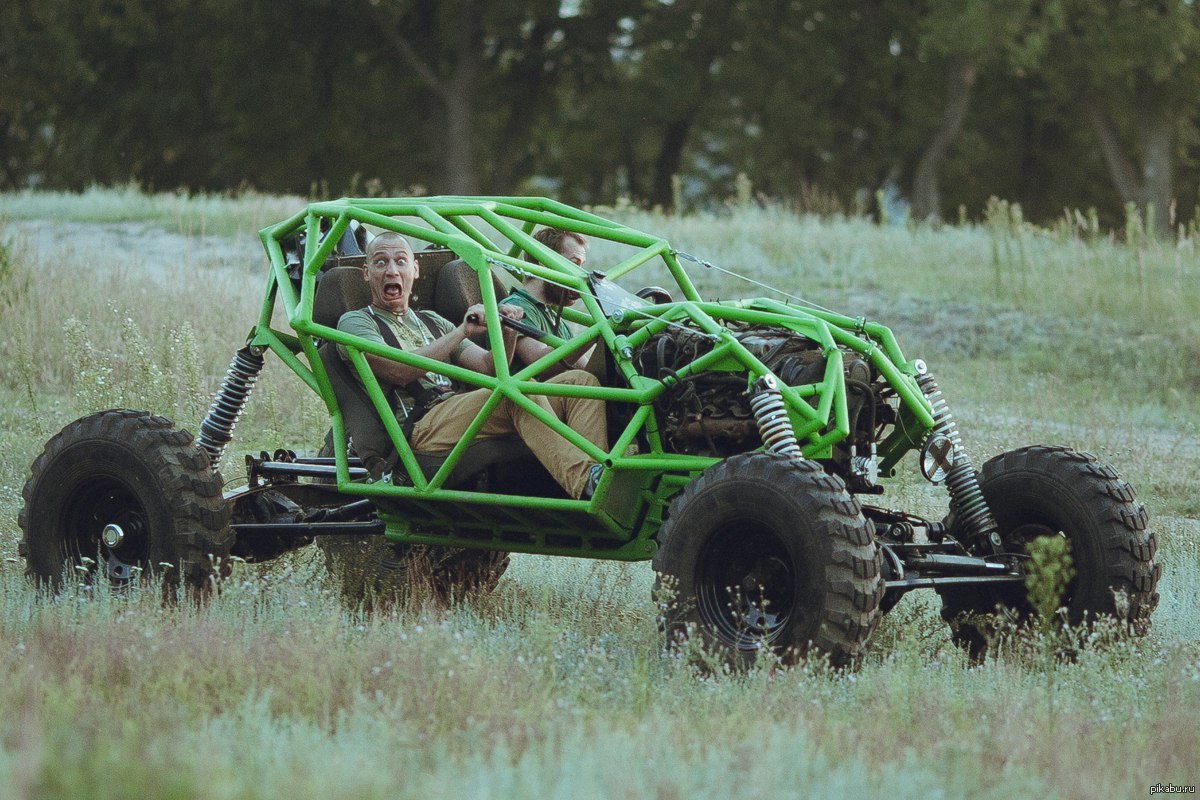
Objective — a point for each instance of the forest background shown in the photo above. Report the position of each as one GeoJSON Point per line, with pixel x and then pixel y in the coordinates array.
{"type": "Point", "coordinates": [925, 108]}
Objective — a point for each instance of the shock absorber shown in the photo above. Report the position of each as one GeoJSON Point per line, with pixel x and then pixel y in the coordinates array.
{"type": "Point", "coordinates": [217, 428]}
{"type": "Point", "coordinates": [770, 413]}
{"type": "Point", "coordinates": [966, 498]}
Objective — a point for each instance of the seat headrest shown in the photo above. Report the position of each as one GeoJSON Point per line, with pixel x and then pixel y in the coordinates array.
{"type": "Point", "coordinates": [458, 289]}
{"type": "Point", "coordinates": [429, 262]}
{"type": "Point", "coordinates": [340, 289]}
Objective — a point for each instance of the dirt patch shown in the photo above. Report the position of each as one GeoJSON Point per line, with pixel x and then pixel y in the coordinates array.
{"type": "Point", "coordinates": [138, 249]}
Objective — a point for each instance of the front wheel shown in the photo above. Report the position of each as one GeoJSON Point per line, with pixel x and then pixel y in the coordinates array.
{"type": "Point", "coordinates": [764, 552]}
{"type": "Point", "coordinates": [120, 493]}
{"type": "Point", "coordinates": [1053, 491]}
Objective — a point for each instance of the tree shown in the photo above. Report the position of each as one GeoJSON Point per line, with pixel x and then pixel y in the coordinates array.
{"type": "Point", "coordinates": [492, 70]}
{"type": "Point", "coordinates": [1133, 70]}
{"type": "Point", "coordinates": [964, 36]}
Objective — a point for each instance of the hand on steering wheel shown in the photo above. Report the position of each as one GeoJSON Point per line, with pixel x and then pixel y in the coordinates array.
{"type": "Point", "coordinates": [523, 327]}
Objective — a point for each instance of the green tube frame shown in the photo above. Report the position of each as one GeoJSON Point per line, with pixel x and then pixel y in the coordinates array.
{"type": "Point", "coordinates": [604, 526]}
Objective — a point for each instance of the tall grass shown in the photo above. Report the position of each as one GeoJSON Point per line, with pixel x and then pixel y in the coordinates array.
{"type": "Point", "coordinates": [1004, 263]}
{"type": "Point", "coordinates": [181, 212]}
{"type": "Point", "coordinates": [556, 685]}
{"type": "Point", "coordinates": [550, 688]}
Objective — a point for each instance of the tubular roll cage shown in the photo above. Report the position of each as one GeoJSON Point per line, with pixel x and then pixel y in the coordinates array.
{"type": "Point", "coordinates": [622, 518]}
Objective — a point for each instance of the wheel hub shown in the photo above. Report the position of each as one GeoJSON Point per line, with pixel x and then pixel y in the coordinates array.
{"type": "Point", "coordinates": [109, 518]}
{"type": "Point", "coordinates": [112, 535]}
{"type": "Point", "coordinates": [126, 533]}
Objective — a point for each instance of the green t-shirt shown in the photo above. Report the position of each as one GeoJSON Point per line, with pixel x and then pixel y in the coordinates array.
{"type": "Point", "coordinates": [537, 313]}
{"type": "Point", "coordinates": [411, 333]}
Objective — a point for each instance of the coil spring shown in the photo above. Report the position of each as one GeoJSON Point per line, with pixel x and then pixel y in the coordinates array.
{"type": "Point", "coordinates": [217, 428]}
{"type": "Point", "coordinates": [771, 415]}
{"type": "Point", "coordinates": [966, 498]}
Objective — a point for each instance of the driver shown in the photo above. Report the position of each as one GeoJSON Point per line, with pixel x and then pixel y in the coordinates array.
{"type": "Point", "coordinates": [433, 415]}
{"type": "Point", "coordinates": [543, 302]}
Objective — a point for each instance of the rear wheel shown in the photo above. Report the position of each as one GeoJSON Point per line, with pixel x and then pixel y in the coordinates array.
{"type": "Point", "coordinates": [121, 493]}
{"type": "Point", "coordinates": [372, 569]}
{"type": "Point", "coordinates": [1053, 491]}
{"type": "Point", "coordinates": [763, 552]}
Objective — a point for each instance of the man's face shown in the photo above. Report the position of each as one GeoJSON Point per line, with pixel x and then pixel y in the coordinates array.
{"type": "Point", "coordinates": [390, 271]}
{"type": "Point", "coordinates": [574, 251]}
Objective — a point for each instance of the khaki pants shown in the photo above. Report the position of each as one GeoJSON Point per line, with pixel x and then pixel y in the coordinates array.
{"type": "Point", "coordinates": [442, 428]}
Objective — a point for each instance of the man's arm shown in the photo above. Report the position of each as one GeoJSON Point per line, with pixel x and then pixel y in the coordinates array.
{"type": "Point", "coordinates": [393, 372]}
{"type": "Point", "coordinates": [530, 350]}
{"type": "Point", "coordinates": [476, 358]}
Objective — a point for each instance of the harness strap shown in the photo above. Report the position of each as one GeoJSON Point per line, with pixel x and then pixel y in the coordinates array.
{"type": "Point", "coordinates": [424, 397]}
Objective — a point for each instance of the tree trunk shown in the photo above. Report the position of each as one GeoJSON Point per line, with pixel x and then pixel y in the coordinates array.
{"type": "Point", "coordinates": [460, 95]}
{"type": "Point", "coordinates": [532, 84]}
{"type": "Point", "coordinates": [8, 176]}
{"type": "Point", "coordinates": [960, 80]}
{"type": "Point", "coordinates": [1149, 185]}
{"type": "Point", "coordinates": [457, 94]}
{"type": "Point", "coordinates": [670, 154]}
{"type": "Point", "coordinates": [1157, 172]}
{"type": "Point", "coordinates": [458, 153]}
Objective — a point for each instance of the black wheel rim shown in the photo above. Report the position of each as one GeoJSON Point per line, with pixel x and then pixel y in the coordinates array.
{"type": "Point", "coordinates": [96, 505]}
{"type": "Point", "coordinates": [746, 585]}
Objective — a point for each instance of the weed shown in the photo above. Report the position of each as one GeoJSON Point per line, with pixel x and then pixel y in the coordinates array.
{"type": "Point", "coordinates": [1050, 569]}
{"type": "Point", "coordinates": [14, 281]}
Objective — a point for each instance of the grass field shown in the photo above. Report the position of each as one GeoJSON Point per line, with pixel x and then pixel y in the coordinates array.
{"type": "Point", "coordinates": [556, 684]}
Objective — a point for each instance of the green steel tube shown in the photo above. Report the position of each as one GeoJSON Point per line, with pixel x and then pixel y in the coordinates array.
{"type": "Point", "coordinates": [406, 357]}
{"type": "Point", "coordinates": [636, 260]}
{"type": "Point", "coordinates": [279, 348]}
{"type": "Point", "coordinates": [283, 290]}
{"type": "Point", "coordinates": [312, 265]}
{"type": "Point", "coordinates": [664, 461]}
{"type": "Point", "coordinates": [465, 441]}
{"type": "Point", "coordinates": [470, 231]}
{"type": "Point", "coordinates": [267, 308]}
{"type": "Point", "coordinates": [387, 417]}
{"type": "Point", "coordinates": [552, 422]}
{"type": "Point", "coordinates": [630, 433]}
{"type": "Point", "coordinates": [437, 222]}
{"type": "Point", "coordinates": [282, 230]}
{"type": "Point", "coordinates": [514, 249]}
{"type": "Point", "coordinates": [681, 277]}
{"type": "Point", "coordinates": [544, 204]}
{"type": "Point", "coordinates": [552, 265]}
{"type": "Point", "coordinates": [619, 234]}
{"type": "Point", "coordinates": [606, 393]}
{"type": "Point", "coordinates": [561, 349]}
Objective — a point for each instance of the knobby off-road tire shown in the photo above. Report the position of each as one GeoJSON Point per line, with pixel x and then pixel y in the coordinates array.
{"type": "Point", "coordinates": [762, 552]}
{"type": "Point", "coordinates": [1055, 491]}
{"type": "Point", "coordinates": [137, 472]}
{"type": "Point", "coordinates": [369, 570]}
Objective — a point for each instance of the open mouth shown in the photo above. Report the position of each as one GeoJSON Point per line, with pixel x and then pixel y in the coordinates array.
{"type": "Point", "coordinates": [393, 291]}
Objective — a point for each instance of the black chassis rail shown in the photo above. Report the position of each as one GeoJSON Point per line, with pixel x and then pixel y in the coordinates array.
{"type": "Point", "coordinates": [315, 510]}
{"type": "Point", "coordinates": [936, 562]}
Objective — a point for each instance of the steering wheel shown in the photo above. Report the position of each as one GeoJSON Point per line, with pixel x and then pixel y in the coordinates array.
{"type": "Point", "coordinates": [524, 327]}
{"type": "Point", "coordinates": [519, 327]}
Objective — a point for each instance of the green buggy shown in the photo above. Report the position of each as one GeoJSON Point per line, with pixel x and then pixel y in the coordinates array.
{"type": "Point", "coordinates": [749, 445]}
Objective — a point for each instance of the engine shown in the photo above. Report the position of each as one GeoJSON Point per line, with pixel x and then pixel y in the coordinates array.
{"type": "Point", "coordinates": [709, 413]}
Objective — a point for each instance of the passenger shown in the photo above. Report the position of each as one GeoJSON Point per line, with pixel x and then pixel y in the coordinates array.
{"type": "Point", "coordinates": [433, 416]}
{"type": "Point", "coordinates": [543, 303]}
